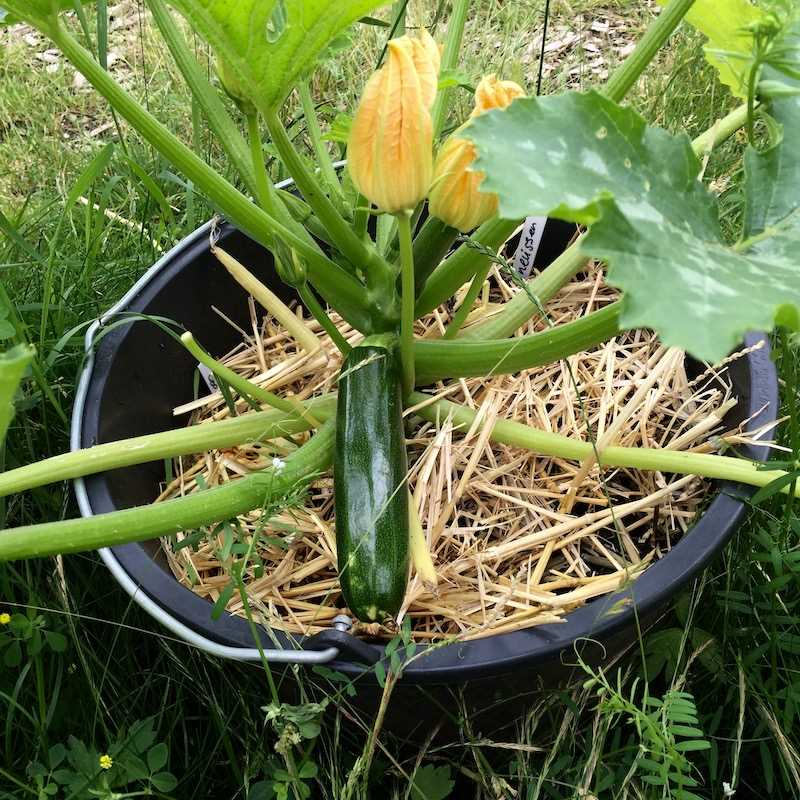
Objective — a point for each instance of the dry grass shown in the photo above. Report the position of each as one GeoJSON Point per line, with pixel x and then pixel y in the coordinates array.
{"type": "Point", "coordinates": [517, 539]}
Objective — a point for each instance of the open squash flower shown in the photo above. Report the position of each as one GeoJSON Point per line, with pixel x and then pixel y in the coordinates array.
{"type": "Point", "coordinates": [455, 197]}
{"type": "Point", "coordinates": [390, 150]}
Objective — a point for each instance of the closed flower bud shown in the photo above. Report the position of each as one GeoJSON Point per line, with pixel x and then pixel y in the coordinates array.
{"type": "Point", "coordinates": [233, 87]}
{"type": "Point", "coordinates": [454, 197]}
{"type": "Point", "coordinates": [428, 61]}
{"type": "Point", "coordinates": [390, 150]}
{"type": "Point", "coordinates": [492, 93]}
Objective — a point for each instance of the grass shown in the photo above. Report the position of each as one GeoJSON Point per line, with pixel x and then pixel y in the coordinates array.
{"type": "Point", "coordinates": [81, 661]}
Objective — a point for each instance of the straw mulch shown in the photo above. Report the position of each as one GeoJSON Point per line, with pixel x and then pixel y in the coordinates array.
{"type": "Point", "coordinates": [517, 539]}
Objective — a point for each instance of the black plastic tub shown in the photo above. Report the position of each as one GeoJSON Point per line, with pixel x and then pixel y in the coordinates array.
{"type": "Point", "coordinates": [137, 374]}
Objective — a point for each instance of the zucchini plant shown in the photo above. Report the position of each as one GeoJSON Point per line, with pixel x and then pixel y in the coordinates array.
{"type": "Point", "coordinates": [578, 156]}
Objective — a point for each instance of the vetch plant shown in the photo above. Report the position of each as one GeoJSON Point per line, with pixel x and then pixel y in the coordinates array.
{"type": "Point", "coordinates": [581, 157]}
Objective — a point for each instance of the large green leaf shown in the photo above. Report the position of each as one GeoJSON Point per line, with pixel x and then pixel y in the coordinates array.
{"type": "Point", "coordinates": [724, 23]}
{"type": "Point", "coordinates": [36, 12]}
{"type": "Point", "coordinates": [583, 158]}
{"type": "Point", "coordinates": [12, 367]}
{"type": "Point", "coordinates": [269, 43]}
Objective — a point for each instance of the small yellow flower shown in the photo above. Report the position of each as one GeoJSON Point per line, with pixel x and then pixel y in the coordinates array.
{"type": "Point", "coordinates": [390, 150]}
{"type": "Point", "coordinates": [106, 762]}
{"type": "Point", "coordinates": [492, 93]}
{"type": "Point", "coordinates": [455, 196]}
{"type": "Point", "coordinates": [5, 618]}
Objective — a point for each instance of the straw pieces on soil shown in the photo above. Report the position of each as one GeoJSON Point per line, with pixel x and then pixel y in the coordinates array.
{"type": "Point", "coordinates": [517, 539]}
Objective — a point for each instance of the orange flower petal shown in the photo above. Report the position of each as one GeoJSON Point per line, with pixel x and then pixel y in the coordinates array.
{"type": "Point", "coordinates": [492, 93]}
{"type": "Point", "coordinates": [391, 141]}
{"type": "Point", "coordinates": [455, 196]}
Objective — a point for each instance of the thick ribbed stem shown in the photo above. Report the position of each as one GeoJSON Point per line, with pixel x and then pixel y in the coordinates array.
{"type": "Point", "coordinates": [185, 513]}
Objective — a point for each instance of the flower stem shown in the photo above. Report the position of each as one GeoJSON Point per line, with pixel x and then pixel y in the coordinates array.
{"type": "Point", "coordinates": [431, 244]}
{"type": "Point", "coordinates": [320, 315]}
{"type": "Point", "coordinates": [407, 299]}
{"type": "Point", "coordinates": [245, 387]}
{"type": "Point", "coordinates": [454, 272]}
{"type": "Point", "coordinates": [255, 426]}
{"type": "Point", "coordinates": [626, 75]}
{"type": "Point", "coordinates": [315, 134]}
{"type": "Point", "coordinates": [452, 46]}
{"type": "Point", "coordinates": [546, 443]}
{"type": "Point", "coordinates": [356, 250]}
{"type": "Point", "coordinates": [460, 317]}
{"type": "Point", "coordinates": [194, 510]}
{"type": "Point", "coordinates": [263, 186]}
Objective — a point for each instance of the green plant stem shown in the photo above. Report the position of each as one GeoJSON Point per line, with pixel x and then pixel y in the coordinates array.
{"type": "Point", "coordinates": [264, 189]}
{"type": "Point", "coordinates": [721, 130]}
{"type": "Point", "coordinates": [431, 245]}
{"type": "Point", "coordinates": [185, 513]}
{"type": "Point", "coordinates": [460, 267]}
{"type": "Point", "coordinates": [245, 387]}
{"type": "Point", "coordinates": [546, 443]}
{"type": "Point", "coordinates": [380, 275]}
{"type": "Point", "coordinates": [452, 47]}
{"type": "Point", "coordinates": [326, 167]}
{"type": "Point", "coordinates": [626, 75]}
{"type": "Point", "coordinates": [320, 315]}
{"type": "Point", "coordinates": [407, 300]}
{"type": "Point", "coordinates": [517, 311]}
{"type": "Point", "coordinates": [338, 287]}
{"type": "Point", "coordinates": [255, 426]}
{"type": "Point", "coordinates": [463, 358]}
{"type": "Point", "coordinates": [302, 213]}
{"type": "Point", "coordinates": [460, 317]}
{"type": "Point", "coordinates": [219, 120]}
{"type": "Point", "coordinates": [361, 216]}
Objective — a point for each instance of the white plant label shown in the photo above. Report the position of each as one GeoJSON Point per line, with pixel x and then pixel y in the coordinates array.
{"type": "Point", "coordinates": [208, 377]}
{"type": "Point", "coordinates": [531, 238]}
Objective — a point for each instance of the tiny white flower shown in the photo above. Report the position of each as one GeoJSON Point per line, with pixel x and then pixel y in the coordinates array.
{"type": "Point", "coordinates": [278, 464]}
{"type": "Point", "coordinates": [727, 790]}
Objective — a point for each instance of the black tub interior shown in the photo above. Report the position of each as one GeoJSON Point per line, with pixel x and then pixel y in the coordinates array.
{"type": "Point", "coordinates": [140, 374]}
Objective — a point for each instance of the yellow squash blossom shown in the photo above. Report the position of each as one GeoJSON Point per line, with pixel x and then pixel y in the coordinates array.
{"type": "Point", "coordinates": [455, 197]}
{"type": "Point", "coordinates": [492, 93]}
{"type": "Point", "coordinates": [390, 150]}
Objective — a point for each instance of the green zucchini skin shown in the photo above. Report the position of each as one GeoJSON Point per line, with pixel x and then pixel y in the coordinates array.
{"type": "Point", "coordinates": [369, 478]}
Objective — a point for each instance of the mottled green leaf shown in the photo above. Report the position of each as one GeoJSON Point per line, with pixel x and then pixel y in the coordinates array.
{"type": "Point", "coordinates": [724, 23]}
{"type": "Point", "coordinates": [581, 157]}
{"type": "Point", "coordinates": [35, 12]}
{"type": "Point", "coordinates": [268, 44]}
